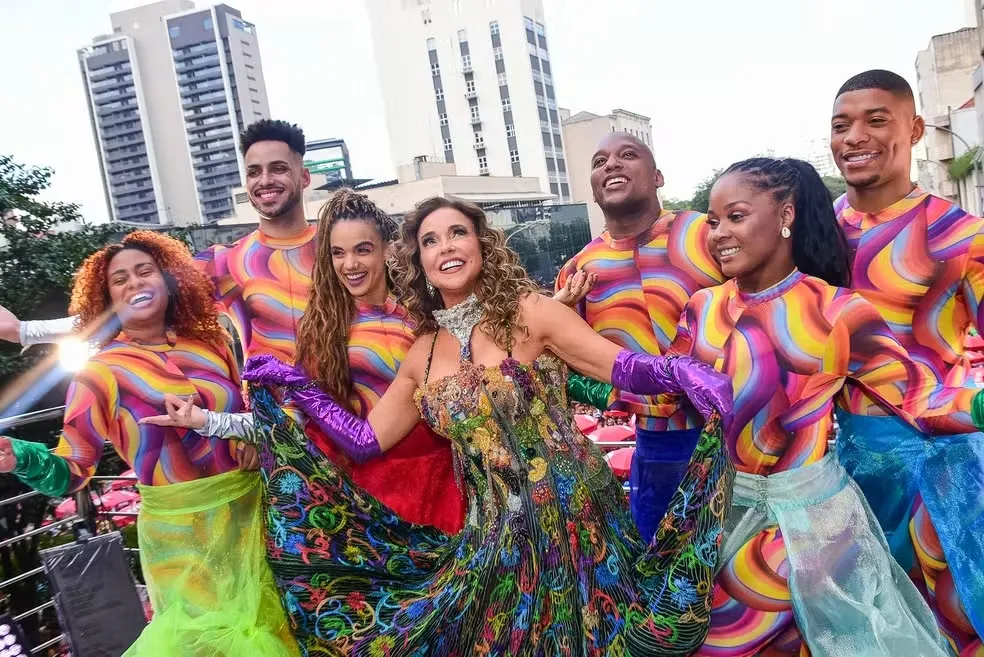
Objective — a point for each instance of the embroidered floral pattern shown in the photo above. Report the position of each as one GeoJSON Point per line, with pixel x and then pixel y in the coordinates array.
{"type": "Point", "coordinates": [549, 562]}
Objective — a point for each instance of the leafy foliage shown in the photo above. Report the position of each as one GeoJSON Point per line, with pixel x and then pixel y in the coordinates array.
{"type": "Point", "coordinates": [836, 185]}
{"type": "Point", "coordinates": [962, 166]}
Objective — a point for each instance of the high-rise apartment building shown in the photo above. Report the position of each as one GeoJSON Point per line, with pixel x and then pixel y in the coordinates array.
{"type": "Point", "coordinates": [470, 81]}
{"type": "Point", "coordinates": [168, 93]}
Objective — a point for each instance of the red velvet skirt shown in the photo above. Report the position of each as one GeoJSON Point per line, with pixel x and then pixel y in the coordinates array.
{"type": "Point", "coordinates": [415, 478]}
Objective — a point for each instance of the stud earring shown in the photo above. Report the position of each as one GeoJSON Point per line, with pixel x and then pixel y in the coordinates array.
{"type": "Point", "coordinates": [785, 232]}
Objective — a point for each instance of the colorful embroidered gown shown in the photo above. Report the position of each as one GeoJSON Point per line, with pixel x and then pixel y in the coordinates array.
{"type": "Point", "coordinates": [920, 261]}
{"type": "Point", "coordinates": [806, 566]}
{"type": "Point", "coordinates": [549, 561]}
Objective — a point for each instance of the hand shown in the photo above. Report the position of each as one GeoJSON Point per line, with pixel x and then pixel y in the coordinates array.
{"type": "Point", "coordinates": [248, 457]}
{"type": "Point", "coordinates": [706, 388]}
{"type": "Point", "coordinates": [9, 326]}
{"type": "Point", "coordinates": [180, 413]}
{"type": "Point", "coordinates": [576, 288]}
{"type": "Point", "coordinates": [8, 461]}
{"type": "Point", "coordinates": [268, 370]}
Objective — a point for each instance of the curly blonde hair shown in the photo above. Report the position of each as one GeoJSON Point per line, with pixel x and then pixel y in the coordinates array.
{"type": "Point", "coordinates": [500, 287]}
{"type": "Point", "coordinates": [191, 307]}
{"type": "Point", "coordinates": [322, 335]}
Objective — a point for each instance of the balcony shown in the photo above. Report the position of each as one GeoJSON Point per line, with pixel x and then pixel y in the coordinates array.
{"type": "Point", "coordinates": [471, 94]}
{"type": "Point", "coordinates": [476, 120]}
{"type": "Point", "coordinates": [466, 68]}
{"type": "Point", "coordinates": [479, 144]}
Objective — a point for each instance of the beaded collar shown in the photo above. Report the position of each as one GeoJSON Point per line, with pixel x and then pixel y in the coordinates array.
{"type": "Point", "coordinates": [460, 321]}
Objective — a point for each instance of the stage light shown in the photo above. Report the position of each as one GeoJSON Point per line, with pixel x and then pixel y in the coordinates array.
{"type": "Point", "coordinates": [73, 354]}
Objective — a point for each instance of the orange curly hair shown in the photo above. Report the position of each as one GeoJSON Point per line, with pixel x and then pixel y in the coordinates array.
{"type": "Point", "coordinates": [191, 309]}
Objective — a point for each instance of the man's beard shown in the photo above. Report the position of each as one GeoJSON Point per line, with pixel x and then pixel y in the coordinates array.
{"type": "Point", "coordinates": [286, 208]}
{"type": "Point", "coordinates": [864, 182]}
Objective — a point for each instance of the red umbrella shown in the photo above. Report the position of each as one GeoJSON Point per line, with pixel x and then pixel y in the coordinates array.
{"type": "Point", "coordinates": [620, 461]}
{"type": "Point", "coordinates": [614, 434]}
{"type": "Point", "coordinates": [585, 423]}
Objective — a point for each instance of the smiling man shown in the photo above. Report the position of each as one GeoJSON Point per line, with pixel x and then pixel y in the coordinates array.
{"type": "Point", "coordinates": [647, 264]}
{"type": "Point", "coordinates": [920, 260]}
{"type": "Point", "coordinates": [262, 281]}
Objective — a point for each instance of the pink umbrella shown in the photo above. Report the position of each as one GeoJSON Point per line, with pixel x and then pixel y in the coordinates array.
{"type": "Point", "coordinates": [616, 433]}
{"type": "Point", "coordinates": [585, 423]}
{"type": "Point", "coordinates": [620, 461]}
{"type": "Point", "coordinates": [116, 485]}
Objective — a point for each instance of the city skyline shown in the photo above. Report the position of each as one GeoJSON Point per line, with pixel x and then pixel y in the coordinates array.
{"type": "Point", "coordinates": [728, 81]}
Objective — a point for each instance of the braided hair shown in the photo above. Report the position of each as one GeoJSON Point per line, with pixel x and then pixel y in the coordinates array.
{"type": "Point", "coordinates": [819, 244]}
{"type": "Point", "coordinates": [322, 334]}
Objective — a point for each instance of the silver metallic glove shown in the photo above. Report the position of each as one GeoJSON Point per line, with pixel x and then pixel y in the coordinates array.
{"type": "Point", "coordinates": [46, 331]}
{"type": "Point", "coordinates": [227, 425]}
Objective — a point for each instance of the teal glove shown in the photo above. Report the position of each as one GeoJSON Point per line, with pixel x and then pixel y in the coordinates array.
{"type": "Point", "coordinates": [588, 391]}
{"type": "Point", "coordinates": [39, 468]}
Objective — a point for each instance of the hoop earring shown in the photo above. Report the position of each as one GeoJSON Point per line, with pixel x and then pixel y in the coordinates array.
{"type": "Point", "coordinates": [785, 232]}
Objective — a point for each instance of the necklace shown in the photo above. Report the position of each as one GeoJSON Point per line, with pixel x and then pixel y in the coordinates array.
{"type": "Point", "coordinates": [460, 321]}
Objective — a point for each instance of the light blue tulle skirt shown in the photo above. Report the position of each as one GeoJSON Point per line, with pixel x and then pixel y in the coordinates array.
{"type": "Point", "coordinates": [891, 462]}
{"type": "Point", "coordinates": [850, 598]}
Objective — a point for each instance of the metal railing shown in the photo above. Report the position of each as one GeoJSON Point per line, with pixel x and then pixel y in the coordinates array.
{"type": "Point", "coordinates": [84, 516]}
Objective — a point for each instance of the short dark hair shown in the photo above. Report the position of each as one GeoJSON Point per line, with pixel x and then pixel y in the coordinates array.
{"type": "Point", "coordinates": [271, 130]}
{"type": "Point", "coordinates": [879, 79]}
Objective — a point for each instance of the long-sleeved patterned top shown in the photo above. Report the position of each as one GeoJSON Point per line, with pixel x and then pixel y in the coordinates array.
{"type": "Point", "coordinates": [262, 284]}
{"type": "Point", "coordinates": [644, 283]}
{"type": "Point", "coordinates": [792, 352]}
{"type": "Point", "coordinates": [921, 263]}
{"type": "Point", "coordinates": [127, 381]}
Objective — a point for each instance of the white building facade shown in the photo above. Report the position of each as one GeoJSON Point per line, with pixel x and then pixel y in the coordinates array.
{"type": "Point", "coordinates": [471, 82]}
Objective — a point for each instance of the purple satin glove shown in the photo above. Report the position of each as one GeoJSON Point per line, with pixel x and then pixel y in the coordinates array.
{"type": "Point", "coordinates": [352, 434]}
{"type": "Point", "coordinates": [706, 388]}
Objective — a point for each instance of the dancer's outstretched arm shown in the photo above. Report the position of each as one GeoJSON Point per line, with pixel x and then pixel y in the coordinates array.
{"type": "Point", "coordinates": [564, 333]}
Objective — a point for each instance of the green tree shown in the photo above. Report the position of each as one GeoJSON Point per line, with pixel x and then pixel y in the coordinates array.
{"type": "Point", "coordinates": [676, 204]}
{"type": "Point", "coordinates": [835, 185]}
{"type": "Point", "coordinates": [702, 194]}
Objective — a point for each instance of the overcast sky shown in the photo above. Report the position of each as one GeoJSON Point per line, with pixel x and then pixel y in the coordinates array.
{"type": "Point", "coordinates": [721, 79]}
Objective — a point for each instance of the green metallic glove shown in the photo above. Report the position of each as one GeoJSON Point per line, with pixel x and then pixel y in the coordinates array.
{"type": "Point", "coordinates": [588, 391]}
{"type": "Point", "coordinates": [39, 468]}
{"type": "Point", "coordinates": [977, 410]}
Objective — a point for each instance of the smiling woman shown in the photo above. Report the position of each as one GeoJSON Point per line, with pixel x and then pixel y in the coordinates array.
{"type": "Point", "coordinates": [212, 591]}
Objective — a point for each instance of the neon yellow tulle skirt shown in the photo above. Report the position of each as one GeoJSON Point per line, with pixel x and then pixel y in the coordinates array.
{"type": "Point", "coordinates": [204, 560]}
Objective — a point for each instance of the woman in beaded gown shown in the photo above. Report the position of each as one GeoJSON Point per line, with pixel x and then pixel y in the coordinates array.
{"type": "Point", "coordinates": [549, 561]}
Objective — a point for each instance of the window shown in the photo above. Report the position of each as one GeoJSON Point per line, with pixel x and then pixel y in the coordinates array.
{"type": "Point", "coordinates": [502, 80]}
{"type": "Point", "coordinates": [514, 156]}
{"type": "Point", "coordinates": [479, 139]}
{"type": "Point", "coordinates": [466, 62]}
{"type": "Point", "coordinates": [431, 44]}
{"type": "Point", "coordinates": [469, 86]}
{"type": "Point", "coordinates": [474, 112]}
{"type": "Point", "coordinates": [425, 15]}
{"type": "Point", "coordinates": [531, 49]}
{"type": "Point", "coordinates": [539, 29]}
{"type": "Point", "coordinates": [462, 36]}
{"type": "Point", "coordinates": [207, 24]}
{"type": "Point", "coordinates": [506, 105]}
{"type": "Point", "coordinates": [174, 31]}
{"type": "Point", "coordinates": [510, 130]}
{"type": "Point", "coordinates": [439, 93]}
{"type": "Point", "coordinates": [497, 51]}
{"type": "Point", "coordinates": [528, 22]}
{"type": "Point", "coordinates": [447, 144]}
{"type": "Point", "coordinates": [494, 27]}
{"type": "Point", "coordinates": [442, 119]}
{"type": "Point", "coordinates": [435, 69]}
{"type": "Point", "coordinates": [483, 164]}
